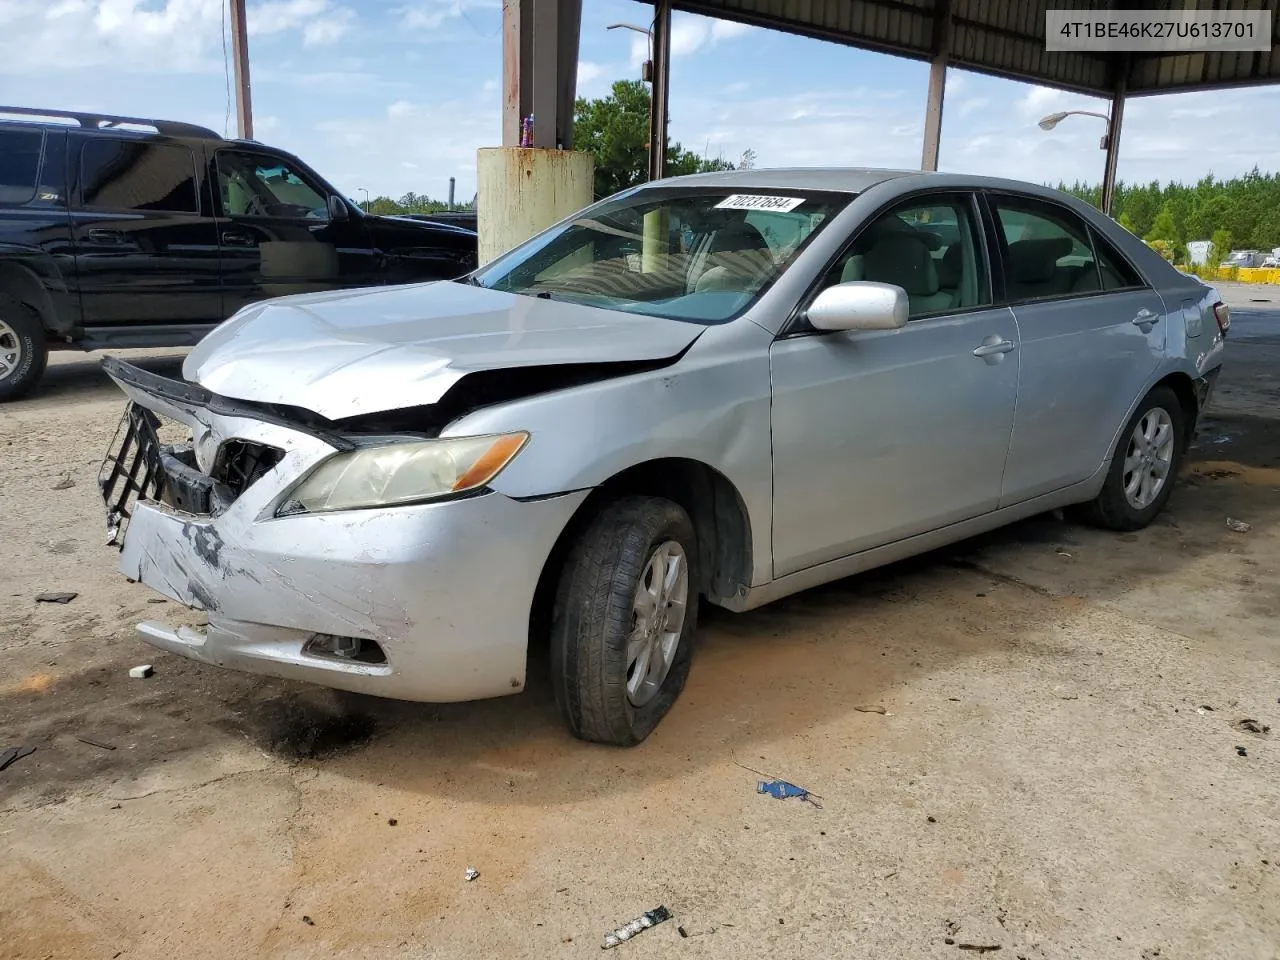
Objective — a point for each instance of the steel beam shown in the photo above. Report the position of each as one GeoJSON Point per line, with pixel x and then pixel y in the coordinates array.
{"type": "Point", "coordinates": [1112, 145]}
{"type": "Point", "coordinates": [240, 58]}
{"type": "Point", "coordinates": [540, 69]}
{"type": "Point", "coordinates": [661, 85]}
{"type": "Point", "coordinates": [937, 85]}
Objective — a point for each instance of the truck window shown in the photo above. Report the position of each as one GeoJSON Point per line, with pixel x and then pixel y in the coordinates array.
{"type": "Point", "coordinates": [137, 175]}
{"type": "Point", "coordinates": [19, 164]}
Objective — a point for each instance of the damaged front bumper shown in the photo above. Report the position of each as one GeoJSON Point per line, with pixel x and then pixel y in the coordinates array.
{"type": "Point", "coordinates": [440, 591]}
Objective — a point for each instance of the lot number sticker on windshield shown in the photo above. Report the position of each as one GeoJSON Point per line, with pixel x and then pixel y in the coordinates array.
{"type": "Point", "coordinates": [752, 201]}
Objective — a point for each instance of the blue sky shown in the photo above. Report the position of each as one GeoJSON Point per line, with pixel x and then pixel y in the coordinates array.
{"type": "Point", "coordinates": [396, 95]}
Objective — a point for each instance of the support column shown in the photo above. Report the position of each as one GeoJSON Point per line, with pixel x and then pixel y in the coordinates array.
{"type": "Point", "coordinates": [240, 58]}
{"type": "Point", "coordinates": [1111, 143]}
{"type": "Point", "coordinates": [937, 86]}
{"type": "Point", "coordinates": [661, 84]}
{"type": "Point", "coordinates": [540, 69]}
{"type": "Point", "coordinates": [520, 192]}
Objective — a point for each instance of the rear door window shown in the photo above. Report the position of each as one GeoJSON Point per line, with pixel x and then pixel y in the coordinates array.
{"type": "Point", "coordinates": [1047, 250]}
{"type": "Point", "coordinates": [1116, 272]}
{"type": "Point", "coordinates": [138, 175]}
{"type": "Point", "coordinates": [19, 165]}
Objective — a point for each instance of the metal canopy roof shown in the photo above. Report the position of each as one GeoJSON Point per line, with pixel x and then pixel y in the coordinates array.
{"type": "Point", "coordinates": [1007, 38]}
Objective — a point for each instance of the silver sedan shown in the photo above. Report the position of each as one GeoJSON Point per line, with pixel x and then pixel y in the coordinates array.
{"type": "Point", "coordinates": [722, 388]}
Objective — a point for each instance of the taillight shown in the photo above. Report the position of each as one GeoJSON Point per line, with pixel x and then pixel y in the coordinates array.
{"type": "Point", "coordinates": [1223, 315]}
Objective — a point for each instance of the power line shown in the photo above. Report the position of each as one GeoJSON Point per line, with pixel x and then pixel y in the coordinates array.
{"type": "Point", "coordinates": [462, 12]}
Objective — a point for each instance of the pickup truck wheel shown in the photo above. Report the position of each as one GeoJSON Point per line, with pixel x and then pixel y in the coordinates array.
{"type": "Point", "coordinates": [625, 613]}
{"type": "Point", "coordinates": [1144, 465]}
{"type": "Point", "coordinates": [23, 350]}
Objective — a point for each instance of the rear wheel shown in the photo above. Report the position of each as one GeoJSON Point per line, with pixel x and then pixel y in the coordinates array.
{"type": "Point", "coordinates": [625, 613]}
{"type": "Point", "coordinates": [23, 350]}
{"type": "Point", "coordinates": [1144, 465]}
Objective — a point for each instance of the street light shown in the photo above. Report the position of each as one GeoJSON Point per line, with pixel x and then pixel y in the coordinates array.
{"type": "Point", "coordinates": [1109, 175]}
{"type": "Point", "coordinates": [1053, 119]}
{"type": "Point", "coordinates": [366, 198]}
{"type": "Point", "coordinates": [646, 68]}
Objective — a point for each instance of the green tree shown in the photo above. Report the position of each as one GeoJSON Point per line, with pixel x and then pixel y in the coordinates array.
{"type": "Point", "coordinates": [615, 131]}
{"type": "Point", "coordinates": [1220, 245]}
{"type": "Point", "coordinates": [384, 206]}
{"type": "Point", "coordinates": [1125, 221]}
{"type": "Point", "coordinates": [1163, 228]}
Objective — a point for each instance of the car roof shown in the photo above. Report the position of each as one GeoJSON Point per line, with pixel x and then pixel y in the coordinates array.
{"type": "Point", "coordinates": [854, 180]}
{"type": "Point", "coordinates": [838, 179]}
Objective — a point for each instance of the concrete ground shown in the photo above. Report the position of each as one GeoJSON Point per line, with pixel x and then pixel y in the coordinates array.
{"type": "Point", "coordinates": [1057, 770]}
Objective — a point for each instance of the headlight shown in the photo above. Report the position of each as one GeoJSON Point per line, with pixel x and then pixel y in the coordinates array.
{"type": "Point", "coordinates": [399, 473]}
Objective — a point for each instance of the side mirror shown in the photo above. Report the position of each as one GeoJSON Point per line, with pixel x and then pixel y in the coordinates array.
{"type": "Point", "coordinates": [338, 208]}
{"type": "Point", "coordinates": [860, 305]}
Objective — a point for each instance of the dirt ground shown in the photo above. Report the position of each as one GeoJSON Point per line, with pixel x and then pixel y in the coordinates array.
{"type": "Point", "coordinates": [1057, 771]}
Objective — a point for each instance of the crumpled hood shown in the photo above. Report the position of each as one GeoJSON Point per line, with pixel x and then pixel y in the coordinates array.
{"type": "Point", "coordinates": [365, 351]}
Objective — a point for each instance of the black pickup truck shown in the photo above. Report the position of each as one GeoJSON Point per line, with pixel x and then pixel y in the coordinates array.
{"type": "Point", "coordinates": [125, 232]}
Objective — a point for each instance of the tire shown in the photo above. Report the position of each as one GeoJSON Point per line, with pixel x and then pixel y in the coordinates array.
{"type": "Point", "coordinates": [596, 630]}
{"type": "Point", "coordinates": [24, 350]}
{"type": "Point", "coordinates": [1116, 509]}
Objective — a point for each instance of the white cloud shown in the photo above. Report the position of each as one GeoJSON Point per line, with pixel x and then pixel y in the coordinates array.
{"type": "Point", "coordinates": [175, 36]}
{"type": "Point", "coordinates": [964, 108]}
{"type": "Point", "coordinates": [400, 110]}
{"type": "Point", "coordinates": [689, 34]}
{"type": "Point", "coordinates": [728, 29]}
{"type": "Point", "coordinates": [432, 14]}
{"type": "Point", "coordinates": [588, 71]}
{"type": "Point", "coordinates": [148, 36]}
{"type": "Point", "coordinates": [328, 29]}
{"type": "Point", "coordinates": [320, 21]}
{"type": "Point", "coordinates": [1161, 138]}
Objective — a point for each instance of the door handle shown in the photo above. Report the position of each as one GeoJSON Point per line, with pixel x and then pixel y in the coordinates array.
{"type": "Point", "coordinates": [99, 235]}
{"type": "Point", "coordinates": [234, 238]}
{"type": "Point", "coordinates": [1145, 317]}
{"type": "Point", "coordinates": [995, 348]}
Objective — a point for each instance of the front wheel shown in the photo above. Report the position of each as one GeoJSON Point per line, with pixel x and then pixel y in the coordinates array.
{"type": "Point", "coordinates": [625, 613]}
{"type": "Point", "coordinates": [1144, 465]}
{"type": "Point", "coordinates": [23, 350]}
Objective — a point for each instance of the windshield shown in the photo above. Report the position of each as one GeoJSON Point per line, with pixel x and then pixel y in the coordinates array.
{"type": "Point", "coordinates": [699, 255]}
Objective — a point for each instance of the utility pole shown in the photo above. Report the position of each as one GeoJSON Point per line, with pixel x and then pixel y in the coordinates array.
{"type": "Point", "coordinates": [240, 57]}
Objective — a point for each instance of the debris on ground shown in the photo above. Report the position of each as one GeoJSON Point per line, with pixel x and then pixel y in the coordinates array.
{"type": "Point", "coordinates": [471, 874]}
{"type": "Point", "coordinates": [392, 821]}
{"type": "Point", "coordinates": [14, 754]}
{"type": "Point", "coordinates": [778, 788]}
{"type": "Point", "coordinates": [55, 597]}
{"type": "Point", "coordinates": [156, 600]}
{"type": "Point", "coordinates": [783, 790]}
{"type": "Point", "coordinates": [1253, 726]}
{"type": "Point", "coordinates": [1060, 552]}
{"type": "Point", "coordinates": [308, 921]}
{"type": "Point", "coordinates": [1241, 751]}
{"type": "Point", "coordinates": [1239, 526]}
{"type": "Point", "coordinates": [66, 483]}
{"type": "Point", "coordinates": [96, 743]}
{"type": "Point", "coordinates": [650, 918]}
{"type": "Point", "coordinates": [872, 708]}
{"type": "Point", "coordinates": [141, 672]}
{"type": "Point", "coordinates": [978, 947]}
